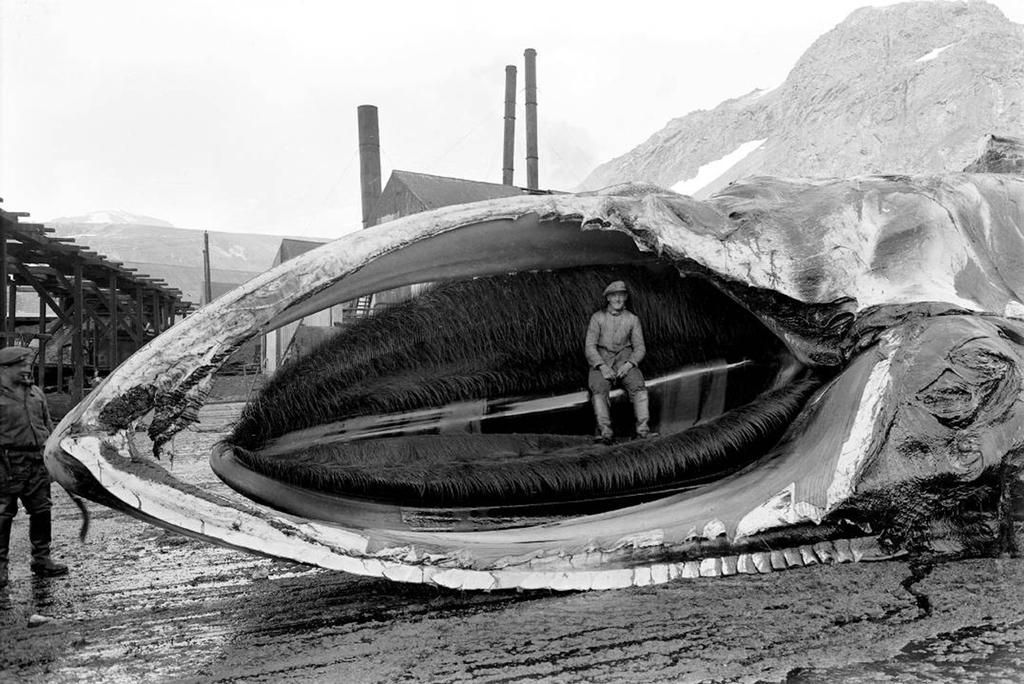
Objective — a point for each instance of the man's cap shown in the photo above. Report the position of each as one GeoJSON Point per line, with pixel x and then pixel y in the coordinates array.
{"type": "Point", "coordinates": [616, 286]}
{"type": "Point", "coordinates": [12, 355]}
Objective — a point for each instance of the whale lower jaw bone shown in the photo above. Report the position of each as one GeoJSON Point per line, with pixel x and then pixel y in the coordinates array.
{"type": "Point", "coordinates": [757, 563]}
{"type": "Point", "coordinates": [349, 551]}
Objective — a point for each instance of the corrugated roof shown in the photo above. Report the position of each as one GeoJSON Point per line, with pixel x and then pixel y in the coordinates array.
{"type": "Point", "coordinates": [442, 191]}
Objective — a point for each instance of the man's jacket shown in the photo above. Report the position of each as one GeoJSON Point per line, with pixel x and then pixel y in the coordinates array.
{"type": "Point", "coordinates": [608, 335]}
{"type": "Point", "coordinates": [24, 418]}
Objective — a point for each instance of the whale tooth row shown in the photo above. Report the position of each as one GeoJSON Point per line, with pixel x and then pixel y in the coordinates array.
{"type": "Point", "coordinates": [764, 562]}
{"type": "Point", "coordinates": [757, 562]}
{"type": "Point", "coordinates": [543, 576]}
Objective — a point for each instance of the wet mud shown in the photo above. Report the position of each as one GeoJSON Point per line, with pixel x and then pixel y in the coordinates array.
{"type": "Point", "coordinates": [145, 605]}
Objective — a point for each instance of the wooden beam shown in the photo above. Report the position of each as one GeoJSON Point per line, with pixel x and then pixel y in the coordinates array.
{"type": "Point", "coordinates": [94, 315]}
{"type": "Point", "coordinates": [127, 318]}
{"type": "Point", "coordinates": [139, 322]}
{"type": "Point", "coordinates": [3, 276]}
{"type": "Point", "coordinates": [44, 294]}
{"type": "Point", "coordinates": [87, 306]}
{"type": "Point", "coordinates": [60, 351]}
{"type": "Point", "coordinates": [158, 326]}
{"type": "Point", "coordinates": [41, 359]}
{"type": "Point", "coordinates": [36, 242]}
{"type": "Point", "coordinates": [12, 311]}
{"type": "Point", "coordinates": [78, 379]}
{"type": "Point", "coordinates": [114, 323]}
{"type": "Point", "coordinates": [95, 349]}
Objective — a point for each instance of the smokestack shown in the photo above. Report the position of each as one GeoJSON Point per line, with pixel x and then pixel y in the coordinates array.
{"type": "Point", "coordinates": [369, 159]}
{"type": "Point", "coordinates": [531, 119]}
{"type": "Point", "coordinates": [508, 164]}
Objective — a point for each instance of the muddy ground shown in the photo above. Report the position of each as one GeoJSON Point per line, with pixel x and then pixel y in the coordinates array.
{"type": "Point", "coordinates": [144, 605]}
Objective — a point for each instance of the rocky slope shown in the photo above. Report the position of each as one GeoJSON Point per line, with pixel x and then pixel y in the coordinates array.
{"type": "Point", "coordinates": [908, 88]}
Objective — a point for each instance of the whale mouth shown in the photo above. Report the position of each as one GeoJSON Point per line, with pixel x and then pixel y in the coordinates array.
{"type": "Point", "coordinates": [849, 458]}
{"type": "Point", "coordinates": [466, 406]}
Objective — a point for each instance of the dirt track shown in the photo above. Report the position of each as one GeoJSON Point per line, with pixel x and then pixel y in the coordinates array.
{"type": "Point", "coordinates": [142, 604]}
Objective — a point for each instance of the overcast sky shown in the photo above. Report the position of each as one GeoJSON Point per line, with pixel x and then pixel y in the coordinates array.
{"type": "Point", "coordinates": [241, 115]}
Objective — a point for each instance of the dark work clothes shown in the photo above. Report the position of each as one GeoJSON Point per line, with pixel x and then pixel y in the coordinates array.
{"type": "Point", "coordinates": [24, 417]}
{"type": "Point", "coordinates": [614, 339]}
{"type": "Point", "coordinates": [25, 424]}
{"type": "Point", "coordinates": [609, 334]}
{"type": "Point", "coordinates": [26, 479]}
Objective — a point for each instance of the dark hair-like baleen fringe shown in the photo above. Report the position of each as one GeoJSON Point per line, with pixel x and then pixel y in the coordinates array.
{"type": "Point", "coordinates": [507, 335]}
{"type": "Point", "coordinates": [473, 470]}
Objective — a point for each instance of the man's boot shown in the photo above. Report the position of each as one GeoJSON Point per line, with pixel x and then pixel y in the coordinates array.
{"type": "Point", "coordinates": [643, 414]}
{"type": "Point", "coordinates": [603, 416]}
{"type": "Point", "coordinates": [39, 536]}
{"type": "Point", "coordinates": [5, 541]}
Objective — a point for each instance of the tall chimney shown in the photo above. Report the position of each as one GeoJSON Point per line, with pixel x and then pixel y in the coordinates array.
{"type": "Point", "coordinates": [369, 159]}
{"type": "Point", "coordinates": [508, 163]}
{"type": "Point", "coordinates": [531, 119]}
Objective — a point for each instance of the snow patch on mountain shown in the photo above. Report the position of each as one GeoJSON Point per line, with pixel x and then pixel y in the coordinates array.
{"type": "Point", "coordinates": [936, 52]}
{"type": "Point", "coordinates": [235, 252]}
{"type": "Point", "coordinates": [707, 173]}
{"type": "Point", "coordinates": [108, 217]}
{"type": "Point", "coordinates": [761, 92]}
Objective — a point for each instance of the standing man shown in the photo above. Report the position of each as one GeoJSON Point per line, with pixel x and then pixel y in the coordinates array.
{"type": "Point", "coordinates": [24, 426]}
{"type": "Point", "coordinates": [614, 348]}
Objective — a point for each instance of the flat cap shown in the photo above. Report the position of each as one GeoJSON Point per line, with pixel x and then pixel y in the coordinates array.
{"type": "Point", "coordinates": [615, 286]}
{"type": "Point", "coordinates": [12, 355]}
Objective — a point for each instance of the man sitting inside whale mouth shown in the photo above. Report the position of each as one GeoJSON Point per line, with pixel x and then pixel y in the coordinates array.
{"type": "Point", "coordinates": [469, 397]}
{"type": "Point", "coordinates": [614, 349]}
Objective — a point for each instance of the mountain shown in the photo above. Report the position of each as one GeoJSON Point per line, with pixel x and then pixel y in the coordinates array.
{"type": "Point", "coordinates": [908, 88]}
{"type": "Point", "coordinates": [112, 216]}
{"type": "Point", "coordinates": [160, 250]}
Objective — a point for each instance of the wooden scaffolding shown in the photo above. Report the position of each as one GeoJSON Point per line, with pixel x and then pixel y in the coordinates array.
{"type": "Point", "coordinates": [93, 312]}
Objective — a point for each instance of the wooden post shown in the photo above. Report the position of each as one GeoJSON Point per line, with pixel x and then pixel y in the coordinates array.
{"type": "Point", "coordinates": [78, 379]}
{"type": "Point", "coordinates": [207, 288]}
{"type": "Point", "coordinates": [3, 277]}
{"type": "Point", "coordinates": [95, 351]}
{"type": "Point", "coordinates": [157, 318]}
{"type": "Point", "coordinates": [12, 310]}
{"type": "Point", "coordinates": [115, 323]}
{"type": "Point", "coordinates": [139, 321]}
{"type": "Point", "coordinates": [41, 359]}
{"type": "Point", "coordinates": [60, 351]}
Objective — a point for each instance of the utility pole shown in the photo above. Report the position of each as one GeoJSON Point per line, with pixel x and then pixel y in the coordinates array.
{"type": "Point", "coordinates": [207, 290]}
